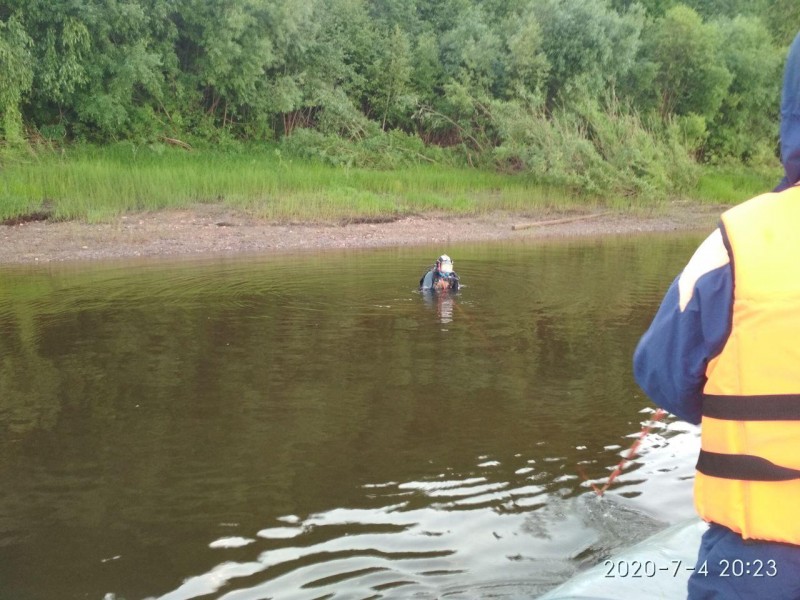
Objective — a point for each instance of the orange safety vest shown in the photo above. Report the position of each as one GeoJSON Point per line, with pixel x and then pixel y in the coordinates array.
{"type": "Point", "coordinates": [748, 472]}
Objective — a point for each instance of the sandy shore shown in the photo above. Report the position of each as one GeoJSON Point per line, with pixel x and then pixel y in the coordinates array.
{"type": "Point", "coordinates": [214, 230]}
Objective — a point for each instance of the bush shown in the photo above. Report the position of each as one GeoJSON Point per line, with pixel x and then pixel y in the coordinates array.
{"type": "Point", "coordinates": [595, 150]}
{"type": "Point", "coordinates": [381, 150]}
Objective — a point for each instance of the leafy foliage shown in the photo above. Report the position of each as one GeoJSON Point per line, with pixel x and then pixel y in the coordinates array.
{"type": "Point", "coordinates": [690, 76]}
{"type": "Point", "coordinates": [602, 151]}
{"type": "Point", "coordinates": [16, 77]}
{"type": "Point", "coordinates": [340, 79]}
{"type": "Point", "coordinates": [588, 45]}
{"type": "Point", "coordinates": [745, 126]}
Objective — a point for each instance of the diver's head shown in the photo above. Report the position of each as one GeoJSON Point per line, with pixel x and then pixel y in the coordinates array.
{"type": "Point", "coordinates": [444, 264]}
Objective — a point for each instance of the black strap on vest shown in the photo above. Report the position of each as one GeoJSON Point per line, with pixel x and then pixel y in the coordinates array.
{"type": "Point", "coordinates": [782, 407]}
{"type": "Point", "coordinates": [743, 467]}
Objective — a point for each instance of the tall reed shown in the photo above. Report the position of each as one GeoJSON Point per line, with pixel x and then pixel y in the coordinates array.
{"type": "Point", "coordinates": [97, 184]}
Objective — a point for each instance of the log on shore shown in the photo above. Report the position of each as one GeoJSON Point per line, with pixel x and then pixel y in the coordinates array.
{"type": "Point", "coordinates": [519, 226]}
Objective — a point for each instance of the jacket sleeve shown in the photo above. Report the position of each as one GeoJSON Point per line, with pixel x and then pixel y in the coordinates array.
{"type": "Point", "coordinates": [426, 282]}
{"type": "Point", "coordinates": [689, 329]}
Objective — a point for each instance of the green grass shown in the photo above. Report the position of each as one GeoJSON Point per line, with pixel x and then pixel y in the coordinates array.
{"type": "Point", "coordinates": [731, 185]}
{"type": "Point", "coordinates": [98, 184]}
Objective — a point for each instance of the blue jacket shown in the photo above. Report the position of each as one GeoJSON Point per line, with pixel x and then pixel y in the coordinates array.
{"type": "Point", "coordinates": [790, 118]}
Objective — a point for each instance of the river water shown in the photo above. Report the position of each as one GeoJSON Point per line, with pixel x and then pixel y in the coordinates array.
{"type": "Point", "coordinates": [311, 426]}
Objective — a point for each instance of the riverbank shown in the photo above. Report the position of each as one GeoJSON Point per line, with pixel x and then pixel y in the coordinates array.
{"type": "Point", "coordinates": [216, 229]}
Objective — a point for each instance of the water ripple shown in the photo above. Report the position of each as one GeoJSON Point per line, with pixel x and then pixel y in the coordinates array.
{"type": "Point", "coordinates": [419, 547]}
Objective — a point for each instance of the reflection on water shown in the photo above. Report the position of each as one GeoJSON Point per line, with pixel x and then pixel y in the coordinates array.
{"type": "Point", "coordinates": [443, 302]}
{"type": "Point", "coordinates": [313, 426]}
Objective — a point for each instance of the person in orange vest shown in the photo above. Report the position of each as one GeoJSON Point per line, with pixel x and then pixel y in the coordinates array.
{"type": "Point", "coordinates": [724, 351]}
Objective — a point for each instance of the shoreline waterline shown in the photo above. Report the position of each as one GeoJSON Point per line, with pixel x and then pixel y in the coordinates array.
{"type": "Point", "coordinates": [207, 230]}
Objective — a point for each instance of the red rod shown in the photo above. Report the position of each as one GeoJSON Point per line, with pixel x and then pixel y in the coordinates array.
{"type": "Point", "coordinates": [659, 414]}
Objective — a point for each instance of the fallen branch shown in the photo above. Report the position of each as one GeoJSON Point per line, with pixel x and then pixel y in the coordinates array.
{"type": "Point", "coordinates": [174, 142]}
{"type": "Point", "coordinates": [519, 226]}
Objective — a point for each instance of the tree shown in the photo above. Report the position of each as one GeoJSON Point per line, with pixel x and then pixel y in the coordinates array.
{"type": "Point", "coordinates": [125, 72]}
{"type": "Point", "coordinates": [427, 73]}
{"type": "Point", "coordinates": [338, 65]}
{"type": "Point", "coordinates": [654, 8]}
{"type": "Point", "coordinates": [472, 52]}
{"type": "Point", "coordinates": [400, 13]}
{"type": "Point", "coordinates": [16, 76]}
{"type": "Point", "coordinates": [58, 58]}
{"type": "Point", "coordinates": [527, 63]}
{"type": "Point", "coordinates": [715, 9]}
{"type": "Point", "coordinates": [99, 68]}
{"type": "Point", "coordinates": [783, 19]}
{"type": "Point", "coordinates": [391, 92]}
{"type": "Point", "coordinates": [588, 46]}
{"type": "Point", "coordinates": [746, 125]}
{"type": "Point", "coordinates": [225, 49]}
{"type": "Point", "coordinates": [103, 70]}
{"type": "Point", "coordinates": [690, 75]}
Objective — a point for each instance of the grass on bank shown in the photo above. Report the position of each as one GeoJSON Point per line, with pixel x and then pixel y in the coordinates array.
{"type": "Point", "coordinates": [731, 185]}
{"type": "Point", "coordinates": [97, 184]}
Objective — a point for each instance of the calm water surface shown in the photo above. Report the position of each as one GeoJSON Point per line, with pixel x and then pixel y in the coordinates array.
{"type": "Point", "coordinates": [313, 427]}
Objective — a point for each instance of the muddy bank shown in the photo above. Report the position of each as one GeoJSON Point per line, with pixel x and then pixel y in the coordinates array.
{"type": "Point", "coordinates": [214, 230]}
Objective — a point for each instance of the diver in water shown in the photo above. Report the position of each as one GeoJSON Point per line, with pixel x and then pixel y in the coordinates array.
{"type": "Point", "coordinates": [440, 277]}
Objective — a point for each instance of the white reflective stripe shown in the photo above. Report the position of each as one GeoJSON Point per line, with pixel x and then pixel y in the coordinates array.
{"type": "Point", "coordinates": [711, 255]}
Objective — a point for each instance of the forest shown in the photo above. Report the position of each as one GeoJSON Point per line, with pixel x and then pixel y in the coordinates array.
{"type": "Point", "coordinates": [609, 97]}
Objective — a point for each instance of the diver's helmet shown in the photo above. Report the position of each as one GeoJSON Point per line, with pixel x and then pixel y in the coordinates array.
{"type": "Point", "coordinates": [444, 264]}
